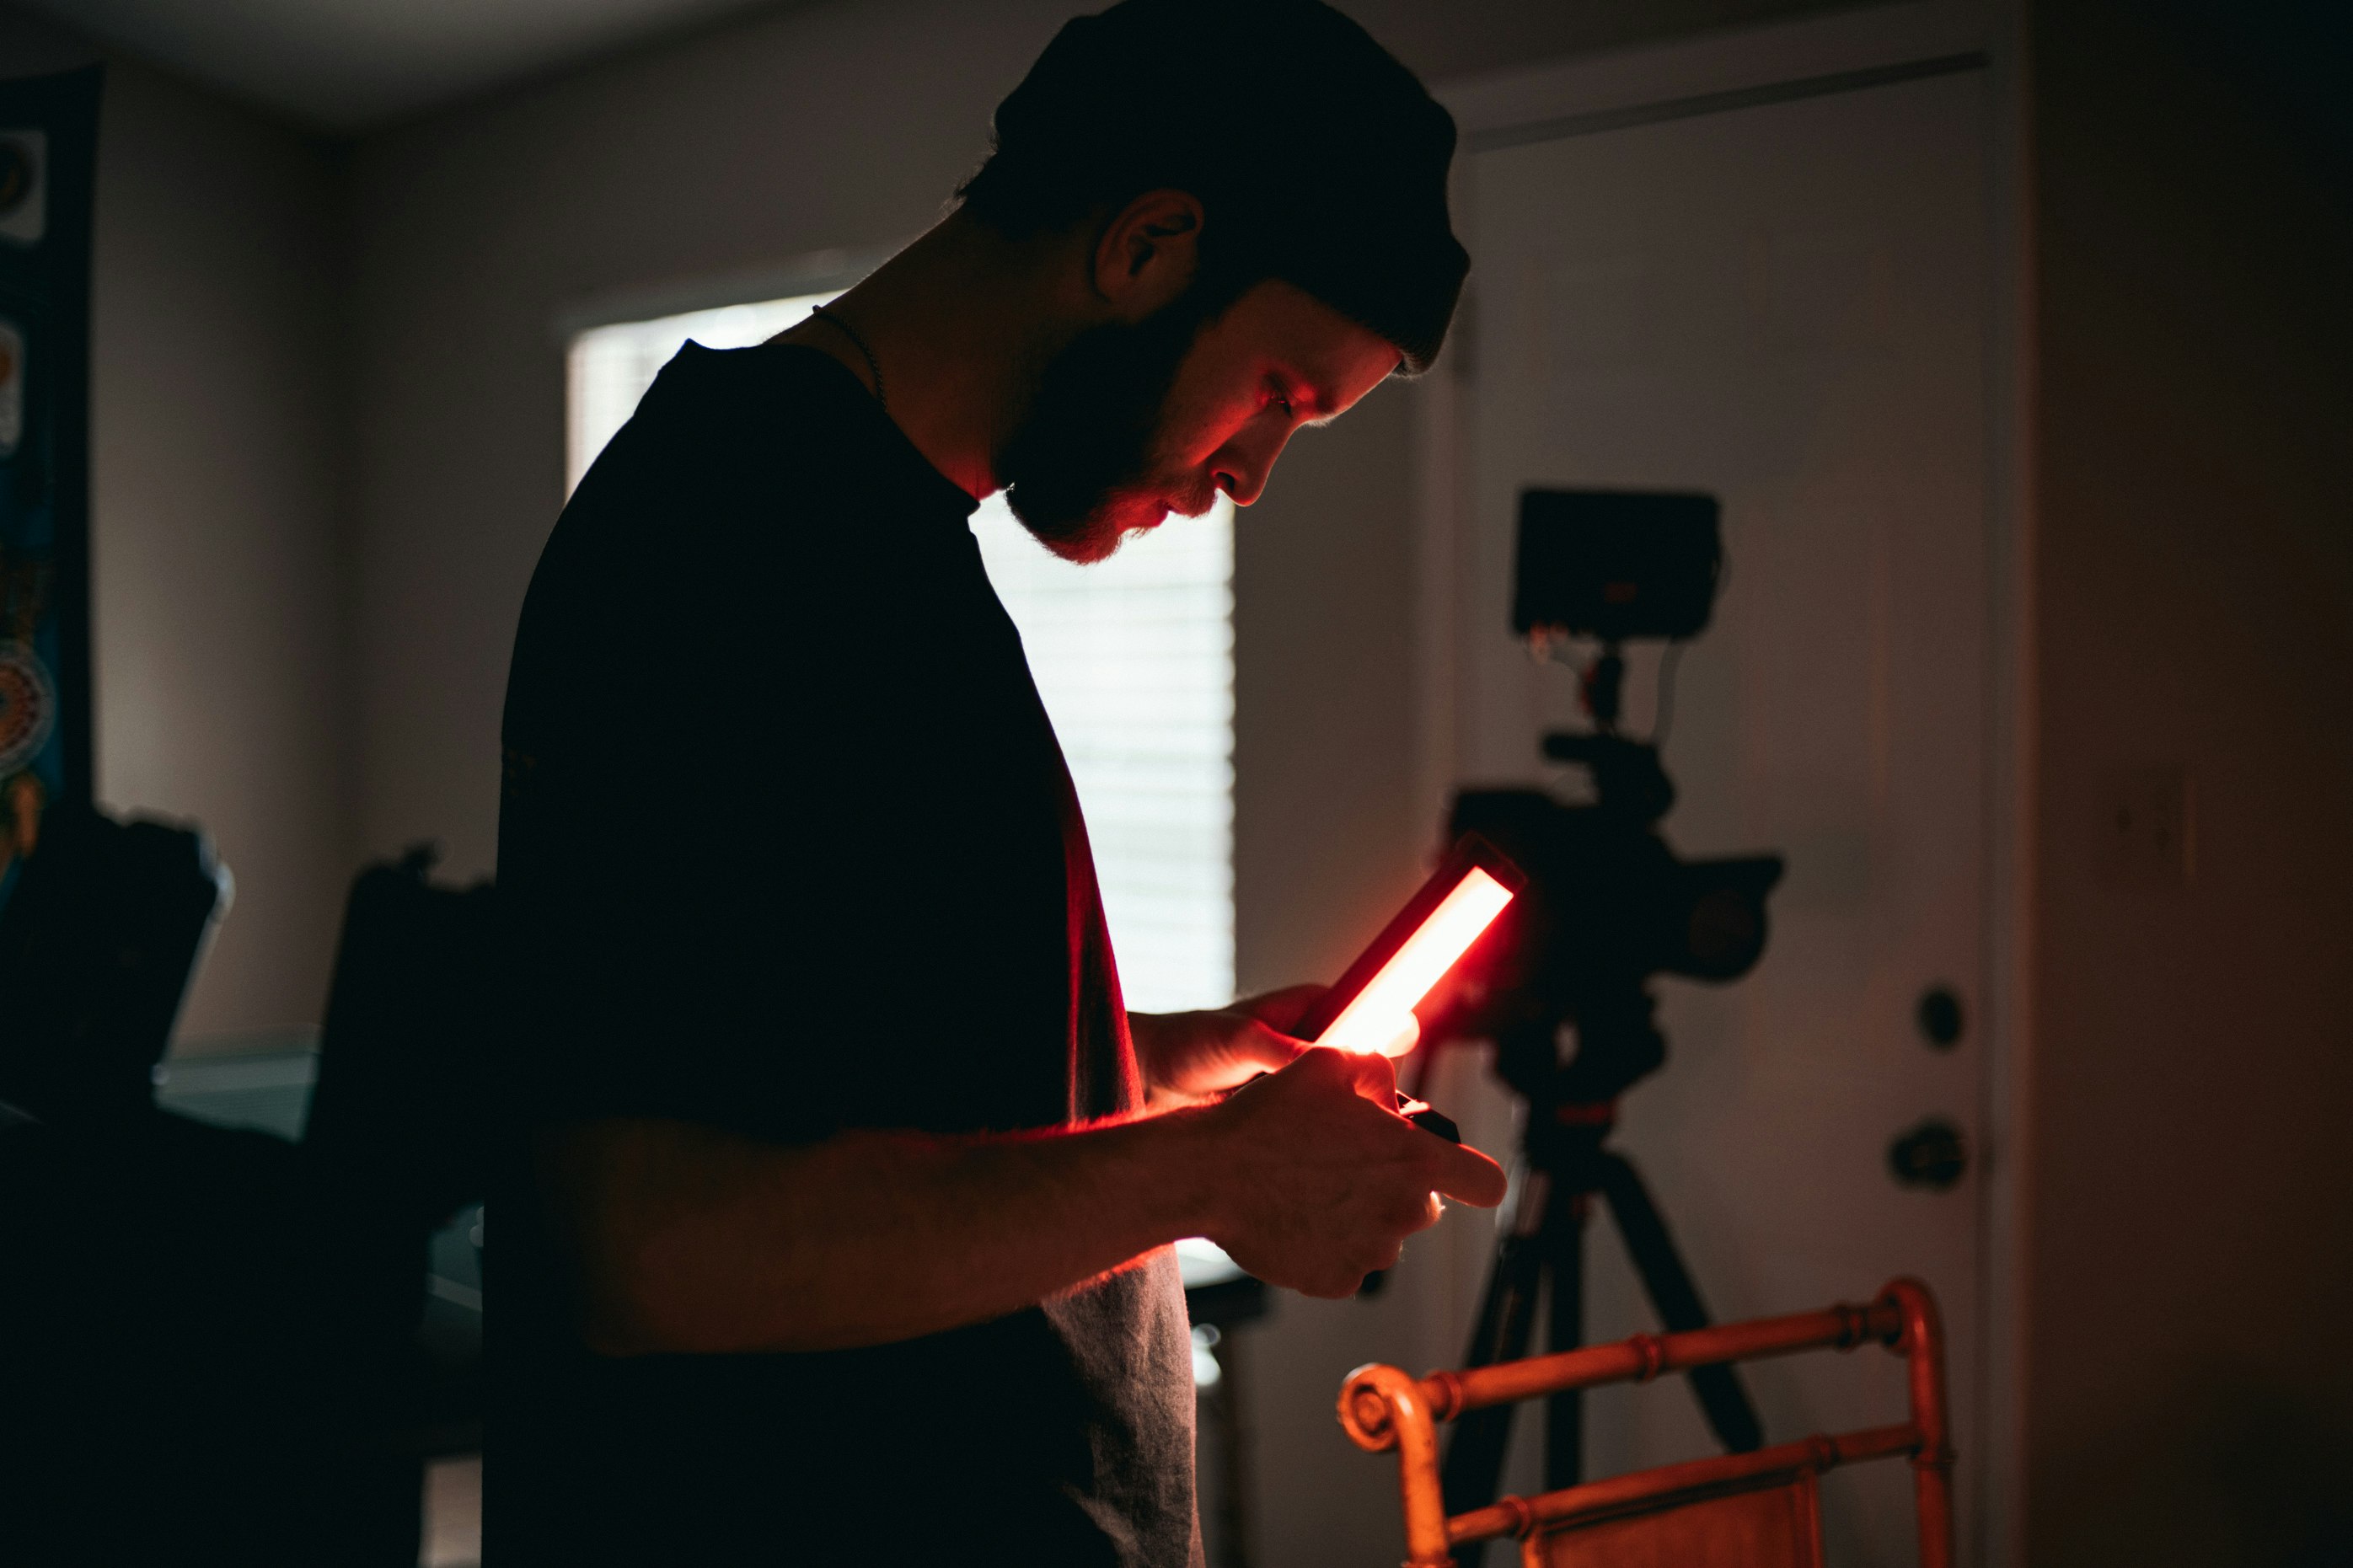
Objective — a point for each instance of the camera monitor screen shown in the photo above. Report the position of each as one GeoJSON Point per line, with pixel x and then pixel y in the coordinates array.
{"type": "Point", "coordinates": [1615, 564]}
{"type": "Point", "coordinates": [1371, 1009]}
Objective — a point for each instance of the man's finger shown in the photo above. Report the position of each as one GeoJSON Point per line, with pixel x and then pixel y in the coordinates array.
{"type": "Point", "coordinates": [1374, 1076]}
{"type": "Point", "coordinates": [1281, 1010]}
{"type": "Point", "coordinates": [1263, 1046]}
{"type": "Point", "coordinates": [1469, 1175]}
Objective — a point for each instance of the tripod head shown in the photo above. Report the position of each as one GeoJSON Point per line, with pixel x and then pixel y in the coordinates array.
{"type": "Point", "coordinates": [1609, 906]}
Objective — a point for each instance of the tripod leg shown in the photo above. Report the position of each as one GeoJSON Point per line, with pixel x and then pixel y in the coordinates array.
{"type": "Point", "coordinates": [1668, 1283]}
{"type": "Point", "coordinates": [1474, 1467]}
{"type": "Point", "coordinates": [1564, 1250]}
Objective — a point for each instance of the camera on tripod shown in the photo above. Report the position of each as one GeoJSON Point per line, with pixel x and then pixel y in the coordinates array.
{"type": "Point", "coordinates": [1608, 905]}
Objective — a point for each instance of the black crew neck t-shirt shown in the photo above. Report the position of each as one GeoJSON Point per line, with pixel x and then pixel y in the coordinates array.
{"type": "Point", "coordinates": [786, 845]}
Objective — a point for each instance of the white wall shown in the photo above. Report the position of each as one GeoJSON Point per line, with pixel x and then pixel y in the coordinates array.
{"type": "Point", "coordinates": [216, 425]}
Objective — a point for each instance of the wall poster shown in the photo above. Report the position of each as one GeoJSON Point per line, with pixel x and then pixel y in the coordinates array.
{"type": "Point", "coordinates": [49, 131]}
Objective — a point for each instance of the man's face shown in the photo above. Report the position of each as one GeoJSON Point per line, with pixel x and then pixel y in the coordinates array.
{"type": "Point", "coordinates": [1134, 421]}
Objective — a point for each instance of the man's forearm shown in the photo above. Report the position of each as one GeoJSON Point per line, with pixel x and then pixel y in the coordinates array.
{"type": "Point", "coordinates": [690, 1239]}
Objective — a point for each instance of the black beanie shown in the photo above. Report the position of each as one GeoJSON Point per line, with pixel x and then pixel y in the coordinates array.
{"type": "Point", "coordinates": [1318, 158]}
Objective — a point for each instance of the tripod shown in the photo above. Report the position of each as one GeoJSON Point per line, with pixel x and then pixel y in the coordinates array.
{"type": "Point", "coordinates": [1571, 1108]}
{"type": "Point", "coordinates": [1608, 905]}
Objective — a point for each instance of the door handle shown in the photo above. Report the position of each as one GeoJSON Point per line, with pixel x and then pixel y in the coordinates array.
{"type": "Point", "coordinates": [1934, 1155]}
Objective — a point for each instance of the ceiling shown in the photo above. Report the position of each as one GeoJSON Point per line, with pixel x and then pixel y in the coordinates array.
{"type": "Point", "coordinates": [348, 65]}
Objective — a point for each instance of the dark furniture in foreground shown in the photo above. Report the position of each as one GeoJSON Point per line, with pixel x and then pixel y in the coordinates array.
{"type": "Point", "coordinates": [214, 1343]}
{"type": "Point", "coordinates": [397, 1145]}
{"type": "Point", "coordinates": [97, 940]}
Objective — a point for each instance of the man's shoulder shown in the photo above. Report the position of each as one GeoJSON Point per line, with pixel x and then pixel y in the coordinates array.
{"type": "Point", "coordinates": [757, 523]}
{"type": "Point", "coordinates": [769, 422]}
{"type": "Point", "coordinates": [750, 383]}
{"type": "Point", "coordinates": [739, 460]}
{"type": "Point", "coordinates": [744, 471]}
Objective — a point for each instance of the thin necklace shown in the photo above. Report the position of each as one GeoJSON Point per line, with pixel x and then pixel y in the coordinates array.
{"type": "Point", "coordinates": [847, 330]}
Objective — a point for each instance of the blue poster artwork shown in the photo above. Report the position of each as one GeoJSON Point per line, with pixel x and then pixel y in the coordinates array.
{"type": "Point", "coordinates": [48, 134]}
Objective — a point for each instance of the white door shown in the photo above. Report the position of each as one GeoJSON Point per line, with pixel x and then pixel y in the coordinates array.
{"type": "Point", "coordinates": [1784, 306]}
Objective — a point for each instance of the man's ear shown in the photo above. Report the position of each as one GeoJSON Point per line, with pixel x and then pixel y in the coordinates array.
{"type": "Point", "coordinates": [1148, 252]}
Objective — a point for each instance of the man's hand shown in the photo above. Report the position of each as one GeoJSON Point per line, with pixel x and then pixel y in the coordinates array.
{"type": "Point", "coordinates": [1320, 1180]}
{"type": "Point", "coordinates": [1189, 1058]}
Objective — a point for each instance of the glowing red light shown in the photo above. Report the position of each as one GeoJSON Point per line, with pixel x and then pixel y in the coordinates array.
{"type": "Point", "coordinates": [1379, 1020]}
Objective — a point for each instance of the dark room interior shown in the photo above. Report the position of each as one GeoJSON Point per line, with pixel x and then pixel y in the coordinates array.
{"type": "Point", "coordinates": [1867, 550]}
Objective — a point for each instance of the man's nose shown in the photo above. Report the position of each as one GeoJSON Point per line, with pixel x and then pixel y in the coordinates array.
{"type": "Point", "coordinates": [1244, 466]}
{"type": "Point", "coordinates": [1241, 481]}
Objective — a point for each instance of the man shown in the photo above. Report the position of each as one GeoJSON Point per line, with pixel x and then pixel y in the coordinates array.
{"type": "Point", "coordinates": [841, 1224]}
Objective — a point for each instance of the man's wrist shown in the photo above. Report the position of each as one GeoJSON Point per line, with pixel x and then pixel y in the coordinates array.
{"type": "Point", "coordinates": [1187, 1158]}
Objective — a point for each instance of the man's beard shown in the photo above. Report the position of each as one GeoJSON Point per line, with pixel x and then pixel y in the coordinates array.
{"type": "Point", "coordinates": [1079, 470]}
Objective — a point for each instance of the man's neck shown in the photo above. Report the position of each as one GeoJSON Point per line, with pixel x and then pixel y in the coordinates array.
{"type": "Point", "coordinates": [957, 323]}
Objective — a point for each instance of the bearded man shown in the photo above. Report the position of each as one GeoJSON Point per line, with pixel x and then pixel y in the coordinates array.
{"type": "Point", "coordinates": [838, 1212]}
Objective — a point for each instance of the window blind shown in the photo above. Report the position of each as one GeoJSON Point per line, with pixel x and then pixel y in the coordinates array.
{"type": "Point", "coordinates": [1134, 657]}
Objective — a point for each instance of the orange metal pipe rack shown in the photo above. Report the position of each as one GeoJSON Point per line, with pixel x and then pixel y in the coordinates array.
{"type": "Point", "coordinates": [1383, 1408]}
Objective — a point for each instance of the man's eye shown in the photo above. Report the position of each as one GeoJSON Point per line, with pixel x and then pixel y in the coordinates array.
{"type": "Point", "coordinates": [1280, 401]}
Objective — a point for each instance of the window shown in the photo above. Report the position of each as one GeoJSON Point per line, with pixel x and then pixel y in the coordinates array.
{"type": "Point", "coordinates": [1133, 657]}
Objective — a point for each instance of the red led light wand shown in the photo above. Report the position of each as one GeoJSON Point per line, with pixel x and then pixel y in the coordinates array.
{"type": "Point", "coordinates": [1371, 1008]}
